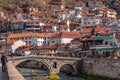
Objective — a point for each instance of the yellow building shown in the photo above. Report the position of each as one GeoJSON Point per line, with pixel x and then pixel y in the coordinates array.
{"type": "Point", "coordinates": [33, 10]}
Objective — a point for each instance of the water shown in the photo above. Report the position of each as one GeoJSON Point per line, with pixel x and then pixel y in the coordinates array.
{"type": "Point", "coordinates": [43, 75]}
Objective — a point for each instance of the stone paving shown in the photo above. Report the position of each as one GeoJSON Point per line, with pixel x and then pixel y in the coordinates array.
{"type": "Point", "coordinates": [3, 76]}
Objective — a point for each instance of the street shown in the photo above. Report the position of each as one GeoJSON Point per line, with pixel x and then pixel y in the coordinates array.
{"type": "Point", "coordinates": [3, 75]}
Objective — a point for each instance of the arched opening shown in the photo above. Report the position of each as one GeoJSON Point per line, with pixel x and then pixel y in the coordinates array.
{"type": "Point", "coordinates": [67, 69]}
{"type": "Point", "coordinates": [32, 69]}
{"type": "Point", "coordinates": [67, 72]}
{"type": "Point", "coordinates": [54, 64]}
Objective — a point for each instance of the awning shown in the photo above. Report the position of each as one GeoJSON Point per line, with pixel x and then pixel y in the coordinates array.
{"type": "Point", "coordinates": [107, 48]}
{"type": "Point", "coordinates": [103, 38]}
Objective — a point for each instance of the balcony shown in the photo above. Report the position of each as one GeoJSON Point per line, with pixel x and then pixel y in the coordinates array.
{"type": "Point", "coordinates": [104, 47]}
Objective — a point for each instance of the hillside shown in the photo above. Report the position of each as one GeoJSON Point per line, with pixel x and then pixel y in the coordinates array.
{"type": "Point", "coordinates": [13, 6]}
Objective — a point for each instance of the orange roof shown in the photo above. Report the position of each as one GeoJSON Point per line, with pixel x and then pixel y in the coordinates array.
{"type": "Point", "coordinates": [104, 34]}
{"type": "Point", "coordinates": [88, 15]}
{"type": "Point", "coordinates": [63, 26]}
{"type": "Point", "coordinates": [38, 14]}
{"type": "Point", "coordinates": [101, 9]}
{"type": "Point", "coordinates": [26, 35]}
{"type": "Point", "coordinates": [52, 35]}
{"type": "Point", "coordinates": [47, 25]}
{"type": "Point", "coordinates": [55, 20]}
{"type": "Point", "coordinates": [74, 34]}
{"type": "Point", "coordinates": [80, 4]}
{"type": "Point", "coordinates": [24, 47]}
{"type": "Point", "coordinates": [100, 29]}
{"type": "Point", "coordinates": [88, 30]}
{"type": "Point", "coordinates": [18, 21]}
{"type": "Point", "coordinates": [34, 20]}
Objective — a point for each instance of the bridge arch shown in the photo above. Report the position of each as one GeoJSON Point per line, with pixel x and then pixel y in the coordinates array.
{"type": "Point", "coordinates": [52, 63]}
{"type": "Point", "coordinates": [70, 65]}
{"type": "Point", "coordinates": [38, 60]}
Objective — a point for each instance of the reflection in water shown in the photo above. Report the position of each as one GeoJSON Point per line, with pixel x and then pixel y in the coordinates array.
{"type": "Point", "coordinates": [43, 75]}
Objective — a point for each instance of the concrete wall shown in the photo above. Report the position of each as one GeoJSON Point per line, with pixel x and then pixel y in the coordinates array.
{"type": "Point", "coordinates": [102, 67]}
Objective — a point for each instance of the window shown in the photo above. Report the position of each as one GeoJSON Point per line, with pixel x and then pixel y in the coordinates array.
{"type": "Point", "coordinates": [29, 42]}
{"type": "Point", "coordinates": [88, 22]}
{"type": "Point", "coordinates": [106, 43]}
{"type": "Point", "coordinates": [54, 64]}
{"type": "Point", "coordinates": [53, 41]}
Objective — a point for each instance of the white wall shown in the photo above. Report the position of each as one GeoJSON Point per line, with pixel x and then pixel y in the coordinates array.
{"type": "Point", "coordinates": [66, 40]}
{"type": "Point", "coordinates": [90, 21]}
{"type": "Point", "coordinates": [41, 41]}
{"type": "Point", "coordinates": [17, 44]}
{"type": "Point", "coordinates": [112, 42]}
{"type": "Point", "coordinates": [54, 41]}
{"type": "Point", "coordinates": [27, 53]}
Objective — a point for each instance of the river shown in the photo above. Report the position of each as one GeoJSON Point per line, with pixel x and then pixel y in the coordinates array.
{"type": "Point", "coordinates": [26, 72]}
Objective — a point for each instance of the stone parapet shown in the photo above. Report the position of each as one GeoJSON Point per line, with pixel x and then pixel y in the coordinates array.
{"type": "Point", "coordinates": [102, 67]}
{"type": "Point", "coordinates": [13, 74]}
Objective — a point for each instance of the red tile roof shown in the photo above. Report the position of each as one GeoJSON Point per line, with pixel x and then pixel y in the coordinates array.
{"type": "Point", "coordinates": [26, 35]}
{"type": "Point", "coordinates": [38, 14]}
{"type": "Point", "coordinates": [74, 34]}
{"type": "Point", "coordinates": [52, 35]}
{"type": "Point", "coordinates": [63, 26]}
{"type": "Point", "coordinates": [98, 29]}
{"type": "Point", "coordinates": [34, 20]}
{"type": "Point", "coordinates": [46, 25]}
{"type": "Point", "coordinates": [24, 48]}
{"type": "Point", "coordinates": [18, 21]}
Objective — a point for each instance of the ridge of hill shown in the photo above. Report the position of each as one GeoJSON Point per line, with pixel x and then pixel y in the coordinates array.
{"type": "Point", "coordinates": [13, 6]}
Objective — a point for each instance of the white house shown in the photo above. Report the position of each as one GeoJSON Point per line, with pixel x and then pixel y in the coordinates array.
{"type": "Point", "coordinates": [24, 50]}
{"type": "Point", "coordinates": [34, 25]}
{"type": "Point", "coordinates": [67, 37]}
{"type": "Point", "coordinates": [89, 19]}
{"type": "Point", "coordinates": [42, 39]}
{"type": "Point", "coordinates": [16, 45]}
{"type": "Point", "coordinates": [78, 10]}
{"type": "Point", "coordinates": [11, 46]}
{"type": "Point", "coordinates": [36, 39]}
{"type": "Point", "coordinates": [53, 38]}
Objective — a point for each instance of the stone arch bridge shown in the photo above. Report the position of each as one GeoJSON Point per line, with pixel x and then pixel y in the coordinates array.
{"type": "Point", "coordinates": [52, 63]}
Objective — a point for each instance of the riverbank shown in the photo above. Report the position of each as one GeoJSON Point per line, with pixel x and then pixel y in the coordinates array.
{"type": "Point", "coordinates": [90, 77]}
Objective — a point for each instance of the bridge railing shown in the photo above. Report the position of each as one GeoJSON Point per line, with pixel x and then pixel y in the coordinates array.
{"type": "Point", "coordinates": [13, 74]}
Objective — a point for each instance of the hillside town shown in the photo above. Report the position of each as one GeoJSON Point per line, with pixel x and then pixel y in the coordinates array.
{"type": "Point", "coordinates": [82, 30]}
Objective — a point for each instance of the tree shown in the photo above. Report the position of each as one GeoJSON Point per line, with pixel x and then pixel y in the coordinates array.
{"type": "Point", "coordinates": [93, 31]}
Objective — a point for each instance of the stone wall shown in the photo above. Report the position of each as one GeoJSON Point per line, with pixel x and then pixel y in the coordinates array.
{"type": "Point", "coordinates": [13, 74]}
{"type": "Point", "coordinates": [102, 67]}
